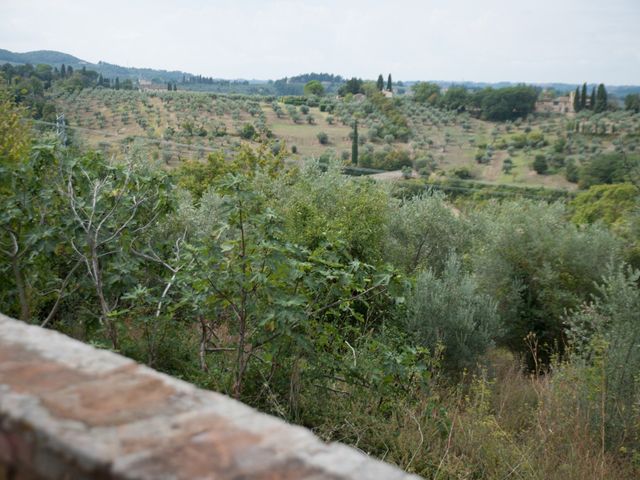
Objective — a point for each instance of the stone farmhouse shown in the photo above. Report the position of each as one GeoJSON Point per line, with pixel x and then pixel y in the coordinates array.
{"type": "Point", "coordinates": [547, 103]}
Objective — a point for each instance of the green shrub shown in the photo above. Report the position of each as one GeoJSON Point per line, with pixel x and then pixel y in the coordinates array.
{"type": "Point", "coordinates": [389, 159]}
{"type": "Point", "coordinates": [538, 266]}
{"type": "Point", "coordinates": [423, 232]}
{"type": "Point", "coordinates": [323, 138]}
{"type": "Point", "coordinates": [604, 334]}
{"type": "Point", "coordinates": [448, 310]}
{"type": "Point", "coordinates": [248, 131]}
{"type": "Point", "coordinates": [540, 165]}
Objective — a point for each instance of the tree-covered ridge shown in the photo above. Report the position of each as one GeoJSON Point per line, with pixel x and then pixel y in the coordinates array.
{"type": "Point", "coordinates": [321, 77]}
{"type": "Point", "coordinates": [49, 57]}
{"type": "Point", "coordinates": [56, 59]}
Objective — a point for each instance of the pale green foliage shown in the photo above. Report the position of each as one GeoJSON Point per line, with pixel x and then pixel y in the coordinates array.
{"type": "Point", "coordinates": [200, 219]}
{"type": "Point", "coordinates": [330, 208]}
{"type": "Point", "coordinates": [617, 206]}
{"type": "Point", "coordinates": [14, 138]}
{"type": "Point", "coordinates": [605, 334]}
{"type": "Point", "coordinates": [423, 230]}
{"type": "Point", "coordinates": [609, 203]}
{"type": "Point", "coordinates": [449, 310]}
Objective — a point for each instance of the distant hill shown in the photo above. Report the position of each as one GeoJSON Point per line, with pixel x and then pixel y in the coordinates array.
{"type": "Point", "coordinates": [49, 57]}
{"type": "Point", "coordinates": [108, 70]}
{"type": "Point", "coordinates": [284, 86]}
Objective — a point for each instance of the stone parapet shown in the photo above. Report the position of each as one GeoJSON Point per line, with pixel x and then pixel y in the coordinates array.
{"type": "Point", "coordinates": [71, 411]}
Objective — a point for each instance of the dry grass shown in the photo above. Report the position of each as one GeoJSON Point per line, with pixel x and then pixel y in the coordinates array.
{"type": "Point", "coordinates": [500, 424]}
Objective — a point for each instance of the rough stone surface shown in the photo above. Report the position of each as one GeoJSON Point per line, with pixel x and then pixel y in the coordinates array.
{"type": "Point", "coordinates": [70, 411]}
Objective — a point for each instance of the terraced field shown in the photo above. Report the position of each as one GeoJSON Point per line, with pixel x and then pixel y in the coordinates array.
{"type": "Point", "coordinates": [174, 126]}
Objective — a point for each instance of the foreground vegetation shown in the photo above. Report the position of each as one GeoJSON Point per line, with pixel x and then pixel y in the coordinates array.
{"type": "Point", "coordinates": [490, 338]}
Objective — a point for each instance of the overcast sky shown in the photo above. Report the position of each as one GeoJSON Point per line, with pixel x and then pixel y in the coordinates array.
{"type": "Point", "coordinates": [479, 40]}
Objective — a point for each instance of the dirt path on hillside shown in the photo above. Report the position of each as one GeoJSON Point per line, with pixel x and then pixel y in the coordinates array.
{"type": "Point", "coordinates": [393, 175]}
{"type": "Point", "coordinates": [493, 170]}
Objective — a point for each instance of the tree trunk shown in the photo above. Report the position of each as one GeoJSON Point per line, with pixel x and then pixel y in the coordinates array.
{"type": "Point", "coordinates": [241, 360]}
{"type": "Point", "coordinates": [25, 311]}
{"type": "Point", "coordinates": [112, 331]}
{"type": "Point", "coordinates": [204, 339]}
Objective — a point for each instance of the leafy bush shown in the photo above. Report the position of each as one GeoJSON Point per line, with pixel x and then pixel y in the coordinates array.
{"type": "Point", "coordinates": [327, 207]}
{"type": "Point", "coordinates": [323, 138]}
{"type": "Point", "coordinates": [609, 168]}
{"type": "Point", "coordinates": [248, 131]}
{"type": "Point", "coordinates": [448, 310]}
{"type": "Point", "coordinates": [540, 165]}
{"type": "Point", "coordinates": [604, 334]}
{"type": "Point", "coordinates": [391, 159]}
{"type": "Point", "coordinates": [463, 173]}
{"type": "Point", "coordinates": [537, 266]}
{"type": "Point", "coordinates": [423, 232]}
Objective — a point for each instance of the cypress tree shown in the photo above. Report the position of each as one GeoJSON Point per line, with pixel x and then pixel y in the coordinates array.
{"type": "Point", "coordinates": [380, 82]}
{"type": "Point", "coordinates": [63, 71]}
{"type": "Point", "coordinates": [592, 102]}
{"type": "Point", "coordinates": [576, 100]}
{"type": "Point", "coordinates": [601, 99]}
{"type": "Point", "coordinates": [354, 144]}
{"type": "Point", "coordinates": [169, 86]}
{"type": "Point", "coordinates": [583, 99]}
{"type": "Point", "coordinates": [117, 83]}
{"type": "Point", "coordinates": [389, 84]}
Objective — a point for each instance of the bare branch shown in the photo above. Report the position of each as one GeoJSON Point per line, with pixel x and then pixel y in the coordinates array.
{"type": "Point", "coordinates": [61, 295]}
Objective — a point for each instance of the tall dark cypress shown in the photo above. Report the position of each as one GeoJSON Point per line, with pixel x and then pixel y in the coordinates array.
{"type": "Point", "coordinates": [380, 83]}
{"type": "Point", "coordinates": [592, 102]}
{"type": "Point", "coordinates": [389, 84]}
{"type": "Point", "coordinates": [601, 99]}
{"type": "Point", "coordinates": [583, 99]}
{"type": "Point", "coordinates": [576, 100]}
{"type": "Point", "coordinates": [354, 144]}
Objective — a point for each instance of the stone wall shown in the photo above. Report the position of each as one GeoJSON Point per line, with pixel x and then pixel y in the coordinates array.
{"type": "Point", "coordinates": [70, 411]}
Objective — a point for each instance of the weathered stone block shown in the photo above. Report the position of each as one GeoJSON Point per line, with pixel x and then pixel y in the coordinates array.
{"type": "Point", "coordinates": [70, 411]}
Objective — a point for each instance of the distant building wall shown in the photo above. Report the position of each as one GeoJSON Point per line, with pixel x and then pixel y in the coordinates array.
{"type": "Point", "coordinates": [547, 104]}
